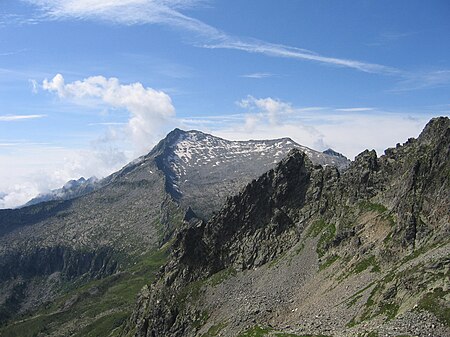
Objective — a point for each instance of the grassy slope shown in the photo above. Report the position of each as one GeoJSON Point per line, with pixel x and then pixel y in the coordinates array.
{"type": "Point", "coordinates": [371, 216]}
{"type": "Point", "coordinates": [98, 308]}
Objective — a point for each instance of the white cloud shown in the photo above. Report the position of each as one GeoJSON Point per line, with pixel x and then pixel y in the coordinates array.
{"type": "Point", "coordinates": [13, 118]}
{"type": "Point", "coordinates": [128, 12]}
{"type": "Point", "coordinates": [38, 169]}
{"type": "Point", "coordinates": [34, 86]}
{"type": "Point", "coordinates": [423, 80]}
{"type": "Point", "coordinates": [150, 110]}
{"type": "Point", "coordinates": [258, 75]}
{"type": "Point", "coordinates": [355, 109]}
{"type": "Point", "coordinates": [278, 50]}
{"type": "Point", "coordinates": [106, 123]}
{"type": "Point", "coordinates": [269, 108]}
{"type": "Point", "coordinates": [389, 38]}
{"type": "Point", "coordinates": [350, 132]}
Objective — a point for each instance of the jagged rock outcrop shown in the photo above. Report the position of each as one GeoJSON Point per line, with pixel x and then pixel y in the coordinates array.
{"type": "Point", "coordinates": [368, 248]}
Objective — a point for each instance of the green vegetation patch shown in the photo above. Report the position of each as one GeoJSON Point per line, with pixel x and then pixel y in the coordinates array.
{"type": "Point", "coordinates": [276, 260]}
{"type": "Point", "coordinates": [190, 293]}
{"type": "Point", "coordinates": [389, 309]}
{"type": "Point", "coordinates": [328, 262]}
{"type": "Point", "coordinates": [370, 302]}
{"type": "Point", "coordinates": [280, 334]}
{"type": "Point", "coordinates": [366, 263]}
{"type": "Point", "coordinates": [351, 323]}
{"type": "Point", "coordinates": [316, 228]}
{"type": "Point", "coordinates": [214, 330]}
{"type": "Point", "coordinates": [372, 207]}
{"type": "Point", "coordinates": [417, 252]}
{"type": "Point", "coordinates": [327, 233]}
{"type": "Point", "coordinates": [372, 334]}
{"type": "Point", "coordinates": [221, 276]}
{"type": "Point", "coordinates": [104, 325]}
{"type": "Point", "coordinates": [353, 301]}
{"type": "Point", "coordinates": [103, 304]}
{"type": "Point", "coordinates": [435, 303]}
{"type": "Point", "coordinates": [256, 331]}
{"type": "Point", "coordinates": [366, 206]}
{"type": "Point", "coordinates": [356, 296]}
{"type": "Point", "coordinates": [200, 320]}
{"type": "Point", "coordinates": [300, 248]}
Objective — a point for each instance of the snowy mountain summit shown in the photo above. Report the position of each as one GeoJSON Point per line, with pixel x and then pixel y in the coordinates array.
{"type": "Point", "coordinates": [195, 161]}
{"type": "Point", "coordinates": [200, 170]}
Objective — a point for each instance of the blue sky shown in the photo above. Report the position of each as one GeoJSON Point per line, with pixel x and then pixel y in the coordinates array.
{"type": "Point", "coordinates": [86, 86]}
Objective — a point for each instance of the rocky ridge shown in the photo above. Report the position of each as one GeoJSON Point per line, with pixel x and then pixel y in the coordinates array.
{"type": "Point", "coordinates": [306, 249]}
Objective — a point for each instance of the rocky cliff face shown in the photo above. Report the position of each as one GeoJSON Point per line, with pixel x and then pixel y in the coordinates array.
{"type": "Point", "coordinates": [306, 249]}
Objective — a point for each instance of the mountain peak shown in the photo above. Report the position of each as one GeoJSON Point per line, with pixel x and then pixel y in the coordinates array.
{"type": "Point", "coordinates": [435, 129]}
{"type": "Point", "coordinates": [72, 189]}
{"type": "Point", "coordinates": [333, 153]}
{"type": "Point", "coordinates": [176, 132]}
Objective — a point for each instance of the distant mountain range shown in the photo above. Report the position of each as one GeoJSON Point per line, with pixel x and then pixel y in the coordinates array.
{"type": "Point", "coordinates": [228, 238]}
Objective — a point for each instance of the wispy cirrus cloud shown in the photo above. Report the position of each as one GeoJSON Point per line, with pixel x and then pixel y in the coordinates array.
{"type": "Point", "coordinates": [389, 37]}
{"type": "Point", "coordinates": [258, 75]}
{"type": "Point", "coordinates": [168, 13]}
{"type": "Point", "coordinates": [279, 50]}
{"type": "Point", "coordinates": [359, 109]}
{"type": "Point", "coordinates": [14, 118]}
{"type": "Point", "coordinates": [423, 80]}
{"type": "Point", "coordinates": [12, 53]}
{"type": "Point", "coordinates": [107, 124]}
